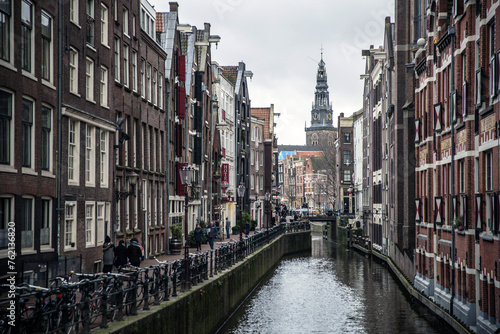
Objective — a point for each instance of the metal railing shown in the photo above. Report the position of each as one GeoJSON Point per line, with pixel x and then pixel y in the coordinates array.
{"type": "Point", "coordinates": [78, 302]}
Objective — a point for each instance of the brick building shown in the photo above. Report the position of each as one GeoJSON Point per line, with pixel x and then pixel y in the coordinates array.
{"type": "Point", "coordinates": [457, 153]}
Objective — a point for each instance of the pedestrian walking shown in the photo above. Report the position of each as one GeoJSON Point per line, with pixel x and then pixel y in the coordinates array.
{"type": "Point", "coordinates": [228, 227]}
{"type": "Point", "coordinates": [198, 234]}
{"type": "Point", "coordinates": [120, 255]}
{"type": "Point", "coordinates": [134, 252]}
{"type": "Point", "coordinates": [107, 255]}
{"type": "Point", "coordinates": [212, 233]}
{"type": "Point", "coordinates": [247, 229]}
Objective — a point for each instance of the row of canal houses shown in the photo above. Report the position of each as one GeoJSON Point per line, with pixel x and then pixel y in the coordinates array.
{"type": "Point", "coordinates": [427, 150]}
{"type": "Point", "coordinates": [101, 104]}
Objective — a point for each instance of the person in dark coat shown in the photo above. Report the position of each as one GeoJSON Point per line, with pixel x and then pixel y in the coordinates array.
{"type": "Point", "coordinates": [107, 255]}
{"type": "Point", "coordinates": [212, 233]}
{"type": "Point", "coordinates": [247, 229]}
{"type": "Point", "coordinates": [134, 252]}
{"type": "Point", "coordinates": [198, 234]}
{"type": "Point", "coordinates": [120, 255]}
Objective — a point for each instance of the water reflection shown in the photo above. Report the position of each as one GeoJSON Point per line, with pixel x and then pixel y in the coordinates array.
{"type": "Point", "coordinates": [330, 290]}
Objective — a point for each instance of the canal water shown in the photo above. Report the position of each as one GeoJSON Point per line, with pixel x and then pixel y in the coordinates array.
{"type": "Point", "coordinates": [330, 290]}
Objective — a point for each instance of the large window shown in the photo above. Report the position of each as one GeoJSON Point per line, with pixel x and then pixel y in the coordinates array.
{"type": "Point", "coordinates": [45, 222]}
{"type": "Point", "coordinates": [125, 21]}
{"type": "Point", "coordinates": [104, 159]}
{"type": "Point", "coordinates": [89, 155]}
{"type": "Point", "coordinates": [347, 137]}
{"type": "Point", "coordinates": [143, 78]}
{"type": "Point", "coordinates": [73, 71]}
{"type": "Point", "coordinates": [461, 171]}
{"type": "Point", "coordinates": [160, 91]}
{"type": "Point", "coordinates": [117, 59]}
{"type": "Point", "coordinates": [6, 125]}
{"type": "Point", "coordinates": [125, 65]}
{"type": "Point", "coordinates": [27, 36]}
{"type": "Point", "coordinates": [6, 204]}
{"type": "Point", "coordinates": [100, 223]}
{"type": "Point", "coordinates": [104, 24]}
{"type": "Point", "coordinates": [104, 86]}
{"type": "Point", "coordinates": [27, 222]}
{"type": "Point", "coordinates": [73, 151]}
{"type": "Point", "coordinates": [46, 138]}
{"type": "Point", "coordinates": [488, 171]}
{"type": "Point", "coordinates": [70, 225]}
{"type": "Point", "coordinates": [347, 157]}
{"type": "Point", "coordinates": [347, 176]}
{"type": "Point", "coordinates": [89, 79]}
{"type": "Point", "coordinates": [73, 10]}
{"type": "Point", "coordinates": [154, 88]}
{"type": "Point", "coordinates": [89, 224]}
{"type": "Point", "coordinates": [90, 22]}
{"type": "Point", "coordinates": [148, 88]}
{"type": "Point", "coordinates": [47, 47]}
{"type": "Point", "coordinates": [5, 29]}
{"type": "Point", "coordinates": [27, 133]}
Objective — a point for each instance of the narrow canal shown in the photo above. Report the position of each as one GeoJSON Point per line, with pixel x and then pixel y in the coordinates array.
{"type": "Point", "coordinates": [330, 290]}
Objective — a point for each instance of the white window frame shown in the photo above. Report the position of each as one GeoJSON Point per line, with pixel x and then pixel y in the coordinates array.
{"type": "Point", "coordinates": [8, 165]}
{"type": "Point", "coordinates": [89, 224]}
{"type": "Point", "coordinates": [8, 61]}
{"type": "Point", "coordinates": [133, 24]}
{"type": "Point", "coordinates": [252, 157]}
{"type": "Point", "coordinates": [90, 155]}
{"type": "Point", "coordinates": [31, 26]}
{"type": "Point", "coordinates": [46, 219]}
{"type": "Point", "coordinates": [50, 143]}
{"type": "Point", "coordinates": [31, 167]}
{"type": "Point", "coordinates": [104, 79]}
{"type": "Point", "coordinates": [48, 59]}
{"type": "Point", "coordinates": [261, 160]}
{"type": "Point", "coordinates": [148, 79]}
{"type": "Point", "coordinates": [73, 71]}
{"type": "Point", "coordinates": [89, 79]}
{"type": "Point", "coordinates": [70, 211]}
{"type": "Point", "coordinates": [104, 25]}
{"type": "Point", "coordinates": [126, 69]}
{"type": "Point", "coordinates": [134, 70]}
{"type": "Point", "coordinates": [143, 78]}
{"type": "Point", "coordinates": [73, 152]}
{"type": "Point", "coordinates": [104, 157]}
{"type": "Point", "coordinates": [100, 223]}
{"type": "Point", "coordinates": [154, 88]}
{"type": "Point", "coordinates": [488, 171]}
{"type": "Point", "coordinates": [4, 225]}
{"type": "Point", "coordinates": [160, 91]}
{"type": "Point", "coordinates": [90, 22]}
{"type": "Point", "coordinates": [117, 59]}
{"type": "Point", "coordinates": [125, 21]}
{"type": "Point", "coordinates": [73, 11]}
{"type": "Point", "coordinates": [252, 181]}
{"type": "Point", "coordinates": [25, 249]}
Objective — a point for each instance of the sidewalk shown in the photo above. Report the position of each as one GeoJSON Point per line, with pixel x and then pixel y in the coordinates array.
{"type": "Point", "coordinates": [204, 247]}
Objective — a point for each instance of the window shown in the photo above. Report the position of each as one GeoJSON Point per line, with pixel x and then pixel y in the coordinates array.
{"type": "Point", "coordinates": [160, 91]}
{"type": "Point", "coordinates": [104, 24]}
{"type": "Point", "coordinates": [104, 86]}
{"type": "Point", "coordinates": [117, 59]}
{"type": "Point", "coordinates": [488, 171]}
{"type": "Point", "coordinates": [154, 87]}
{"type": "Point", "coordinates": [45, 222]}
{"type": "Point", "coordinates": [89, 79]}
{"type": "Point", "coordinates": [6, 127]}
{"type": "Point", "coordinates": [89, 224]}
{"type": "Point", "coordinates": [27, 119]}
{"type": "Point", "coordinates": [261, 182]}
{"type": "Point", "coordinates": [104, 159]}
{"type": "Point", "coordinates": [5, 29]}
{"type": "Point", "coordinates": [143, 78]}
{"type": "Point", "coordinates": [46, 138]}
{"type": "Point", "coordinates": [90, 22]}
{"type": "Point", "coordinates": [27, 36]}
{"type": "Point", "coordinates": [100, 223]}
{"type": "Point", "coordinates": [125, 65]}
{"type": "Point", "coordinates": [261, 158]}
{"type": "Point", "coordinates": [125, 21]}
{"type": "Point", "coordinates": [148, 89]}
{"type": "Point", "coordinates": [5, 218]}
{"type": "Point", "coordinates": [133, 25]}
{"type": "Point", "coordinates": [252, 157]}
{"type": "Point", "coordinates": [46, 47]}
{"type": "Point", "coordinates": [73, 71]}
{"type": "Point", "coordinates": [73, 151]}
{"type": "Point", "coordinates": [252, 181]}
{"type": "Point", "coordinates": [134, 71]}
{"type": "Point", "coordinates": [27, 222]}
{"type": "Point", "coordinates": [347, 137]}
{"type": "Point", "coordinates": [347, 176]}
{"type": "Point", "coordinates": [89, 155]}
{"type": "Point", "coordinates": [73, 11]}
{"type": "Point", "coordinates": [347, 157]}
{"type": "Point", "coordinates": [461, 170]}
{"type": "Point", "coordinates": [70, 225]}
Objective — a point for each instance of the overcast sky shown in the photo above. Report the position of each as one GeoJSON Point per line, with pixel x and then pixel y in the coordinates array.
{"type": "Point", "coordinates": [280, 42]}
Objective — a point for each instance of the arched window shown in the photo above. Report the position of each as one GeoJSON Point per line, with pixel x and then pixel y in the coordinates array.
{"type": "Point", "coordinates": [314, 139]}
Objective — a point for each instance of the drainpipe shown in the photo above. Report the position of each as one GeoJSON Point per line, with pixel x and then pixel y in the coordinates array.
{"type": "Point", "coordinates": [59, 121]}
{"type": "Point", "coordinates": [451, 32]}
{"type": "Point", "coordinates": [167, 178]}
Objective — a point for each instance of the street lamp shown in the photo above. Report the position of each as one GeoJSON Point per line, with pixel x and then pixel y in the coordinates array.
{"type": "Point", "coordinates": [267, 197]}
{"type": "Point", "coordinates": [132, 178]}
{"type": "Point", "coordinates": [241, 194]}
{"type": "Point", "coordinates": [186, 175]}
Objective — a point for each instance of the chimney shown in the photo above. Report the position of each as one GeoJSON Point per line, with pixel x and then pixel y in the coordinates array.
{"type": "Point", "coordinates": [174, 6]}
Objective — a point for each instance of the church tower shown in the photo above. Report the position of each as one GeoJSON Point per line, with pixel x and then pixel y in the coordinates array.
{"type": "Point", "coordinates": [321, 133]}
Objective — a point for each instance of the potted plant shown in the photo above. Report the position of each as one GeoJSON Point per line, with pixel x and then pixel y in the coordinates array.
{"type": "Point", "coordinates": [236, 229]}
{"type": "Point", "coordinates": [459, 223]}
{"type": "Point", "coordinates": [176, 240]}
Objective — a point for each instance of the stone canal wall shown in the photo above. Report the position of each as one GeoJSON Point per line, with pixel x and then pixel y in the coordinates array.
{"type": "Point", "coordinates": [206, 306]}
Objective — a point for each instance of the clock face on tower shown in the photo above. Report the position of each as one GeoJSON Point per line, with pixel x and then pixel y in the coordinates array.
{"type": "Point", "coordinates": [329, 116]}
{"type": "Point", "coordinates": [315, 116]}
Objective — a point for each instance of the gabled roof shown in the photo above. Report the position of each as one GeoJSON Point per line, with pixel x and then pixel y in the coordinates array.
{"type": "Point", "coordinates": [166, 24]}
{"type": "Point", "coordinates": [230, 73]}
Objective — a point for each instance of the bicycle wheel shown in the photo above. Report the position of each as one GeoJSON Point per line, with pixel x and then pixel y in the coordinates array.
{"type": "Point", "coordinates": [95, 307]}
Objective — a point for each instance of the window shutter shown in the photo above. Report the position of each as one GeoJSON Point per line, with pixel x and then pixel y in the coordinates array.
{"type": "Point", "coordinates": [417, 210]}
{"type": "Point", "coordinates": [437, 210]}
{"type": "Point", "coordinates": [437, 117]}
{"type": "Point", "coordinates": [417, 130]}
{"type": "Point", "coordinates": [181, 67]}
{"type": "Point", "coordinates": [181, 102]}
{"type": "Point", "coordinates": [198, 118]}
{"type": "Point", "coordinates": [478, 205]}
{"type": "Point", "coordinates": [178, 141]}
{"type": "Point", "coordinates": [198, 152]}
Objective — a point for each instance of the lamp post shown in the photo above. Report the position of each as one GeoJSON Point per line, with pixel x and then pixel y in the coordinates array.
{"type": "Point", "coordinates": [241, 194]}
{"type": "Point", "coordinates": [267, 197]}
{"type": "Point", "coordinates": [186, 174]}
